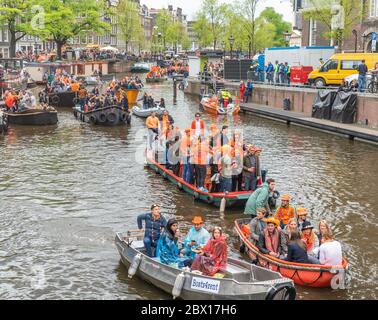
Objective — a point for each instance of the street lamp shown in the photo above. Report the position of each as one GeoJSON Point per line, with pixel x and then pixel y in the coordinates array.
{"type": "Point", "coordinates": [355, 39]}
{"type": "Point", "coordinates": [224, 49]}
{"type": "Point", "coordinates": [287, 36]}
{"type": "Point", "coordinates": [159, 42]}
{"type": "Point", "coordinates": [231, 41]}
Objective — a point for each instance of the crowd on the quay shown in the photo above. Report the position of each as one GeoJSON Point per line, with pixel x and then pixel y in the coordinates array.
{"type": "Point", "coordinates": [198, 250]}
{"type": "Point", "coordinates": [214, 162]}
{"type": "Point", "coordinates": [213, 70]}
{"type": "Point", "coordinates": [286, 233]}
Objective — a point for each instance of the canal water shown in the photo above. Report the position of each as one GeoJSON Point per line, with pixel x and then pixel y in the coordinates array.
{"type": "Point", "coordinates": [66, 190]}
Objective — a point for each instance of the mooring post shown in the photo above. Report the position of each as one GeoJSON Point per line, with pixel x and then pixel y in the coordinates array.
{"type": "Point", "coordinates": [174, 90]}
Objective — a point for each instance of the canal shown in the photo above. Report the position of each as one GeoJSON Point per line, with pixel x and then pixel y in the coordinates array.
{"type": "Point", "coordinates": [65, 190]}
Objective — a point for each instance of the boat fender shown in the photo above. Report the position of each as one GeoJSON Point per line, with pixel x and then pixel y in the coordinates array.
{"type": "Point", "coordinates": [102, 117]}
{"type": "Point", "coordinates": [338, 280]}
{"type": "Point", "coordinates": [196, 195]}
{"type": "Point", "coordinates": [76, 100]}
{"type": "Point", "coordinates": [55, 99]}
{"type": "Point", "coordinates": [275, 289]}
{"type": "Point", "coordinates": [179, 185]}
{"type": "Point", "coordinates": [181, 86]}
{"type": "Point", "coordinates": [124, 117]}
{"type": "Point", "coordinates": [179, 284]}
{"type": "Point", "coordinates": [93, 119]}
{"type": "Point", "coordinates": [112, 117]}
{"type": "Point", "coordinates": [209, 199]}
{"type": "Point", "coordinates": [134, 265]}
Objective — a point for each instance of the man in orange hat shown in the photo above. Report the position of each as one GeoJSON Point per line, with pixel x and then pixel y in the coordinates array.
{"type": "Point", "coordinates": [285, 212]}
{"type": "Point", "coordinates": [270, 240]}
{"type": "Point", "coordinates": [197, 236]}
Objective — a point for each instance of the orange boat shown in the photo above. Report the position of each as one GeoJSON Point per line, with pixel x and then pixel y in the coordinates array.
{"type": "Point", "coordinates": [311, 275]}
{"type": "Point", "coordinates": [132, 95]}
{"type": "Point", "coordinates": [211, 105]}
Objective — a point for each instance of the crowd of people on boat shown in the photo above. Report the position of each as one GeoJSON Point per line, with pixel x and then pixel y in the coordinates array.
{"type": "Point", "coordinates": [150, 103]}
{"type": "Point", "coordinates": [19, 100]}
{"type": "Point", "coordinates": [286, 233]}
{"type": "Point", "coordinates": [216, 161]}
{"type": "Point", "coordinates": [199, 250]}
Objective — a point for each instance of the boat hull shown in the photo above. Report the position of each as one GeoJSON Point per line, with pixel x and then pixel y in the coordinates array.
{"type": "Point", "coordinates": [163, 277]}
{"type": "Point", "coordinates": [144, 113]}
{"type": "Point", "coordinates": [214, 108]}
{"type": "Point", "coordinates": [309, 275]}
{"type": "Point", "coordinates": [34, 117]}
{"type": "Point", "coordinates": [62, 99]}
{"type": "Point", "coordinates": [155, 80]}
{"type": "Point", "coordinates": [109, 116]}
{"type": "Point", "coordinates": [233, 199]}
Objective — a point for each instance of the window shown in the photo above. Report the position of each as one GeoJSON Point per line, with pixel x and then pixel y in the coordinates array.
{"type": "Point", "coordinates": [350, 64]}
{"type": "Point", "coordinates": [90, 38]}
{"type": "Point", "coordinates": [330, 65]}
{"type": "Point", "coordinates": [373, 8]}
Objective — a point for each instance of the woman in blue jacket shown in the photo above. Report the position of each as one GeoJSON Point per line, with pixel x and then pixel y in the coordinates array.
{"type": "Point", "coordinates": [296, 249]}
{"type": "Point", "coordinates": [167, 249]}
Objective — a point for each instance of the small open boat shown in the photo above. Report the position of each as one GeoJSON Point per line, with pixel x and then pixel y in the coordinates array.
{"type": "Point", "coordinates": [233, 199]}
{"type": "Point", "coordinates": [62, 99]}
{"type": "Point", "coordinates": [108, 116]}
{"type": "Point", "coordinates": [241, 280]}
{"type": "Point", "coordinates": [310, 275]}
{"type": "Point", "coordinates": [144, 113]}
{"type": "Point", "coordinates": [211, 105]}
{"type": "Point", "coordinates": [37, 117]}
{"type": "Point", "coordinates": [140, 67]}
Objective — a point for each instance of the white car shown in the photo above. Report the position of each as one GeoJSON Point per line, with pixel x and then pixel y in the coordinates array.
{"type": "Point", "coordinates": [354, 76]}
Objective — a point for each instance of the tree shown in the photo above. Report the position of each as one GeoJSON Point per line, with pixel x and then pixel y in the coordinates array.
{"type": "Point", "coordinates": [128, 20]}
{"type": "Point", "coordinates": [175, 33]}
{"type": "Point", "coordinates": [163, 22]}
{"type": "Point", "coordinates": [65, 19]}
{"type": "Point", "coordinates": [201, 30]}
{"type": "Point", "coordinates": [247, 10]}
{"type": "Point", "coordinates": [270, 16]}
{"type": "Point", "coordinates": [17, 16]}
{"type": "Point", "coordinates": [214, 14]}
{"type": "Point", "coordinates": [353, 11]}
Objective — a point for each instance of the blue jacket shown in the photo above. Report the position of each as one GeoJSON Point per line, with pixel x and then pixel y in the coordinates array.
{"type": "Point", "coordinates": [201, 237]}
{"type": "Point", "coordinates": [153, 227]}
{"type": "Point", "coordinates": [269, 68]}
{"type": "Point", "coordinates": [250, 86]}
{"type": "Point", "coordinates": [167, 250]}
{"type": "Point", "coordinates": [296, 254]}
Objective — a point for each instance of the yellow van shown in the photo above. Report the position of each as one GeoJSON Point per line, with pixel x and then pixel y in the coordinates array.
{"type": "Point", "coordinates": [339, 66]}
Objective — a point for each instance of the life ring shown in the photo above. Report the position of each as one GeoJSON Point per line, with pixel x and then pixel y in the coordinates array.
{"type": "Point", "coordinates": [93, 119]}
{"type": "Point", "coordinates": [209, 199]}
{"type": "Point", "coordinates": [196, 195]}
{"type": "Point", "coordinates": [275, 289]}
{"type": "Point", "coordinates": [102, 117]}
{"type": "Point", "coordinates": [55, 99]}
{"type": "Point", "coordinates": [111, 117]}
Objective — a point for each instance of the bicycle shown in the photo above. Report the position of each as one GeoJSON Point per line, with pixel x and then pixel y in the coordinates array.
{"type": "Point", "coordinates": [373, 85]}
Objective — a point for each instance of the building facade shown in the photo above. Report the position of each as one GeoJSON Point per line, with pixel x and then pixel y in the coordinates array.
{"type": "Point", "coordinates": [4, 43]}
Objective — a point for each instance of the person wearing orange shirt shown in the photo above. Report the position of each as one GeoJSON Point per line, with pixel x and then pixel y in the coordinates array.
{"type": "Point", "coordinates": [198, 126]}
{"type": "Point", "coordinates": [153, 126]}
{"type": "Point", "coordinates": [200, 160]}
{"type": "Point", "coordinates": [185, 155]}
{"type": "Point", "coordinates": [285, 212]}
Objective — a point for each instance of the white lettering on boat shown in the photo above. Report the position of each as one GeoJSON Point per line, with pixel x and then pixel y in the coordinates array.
{"type": "Point", "coordinates": [207, 285]}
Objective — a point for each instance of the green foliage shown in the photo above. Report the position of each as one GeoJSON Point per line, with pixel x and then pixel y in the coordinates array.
{"type": "Point", "coordinates": [65, 19]}
{"type": "Point", "coordinates": [128, 21]}
{"type": "Point", "coordinates": [163, 22]}
{"type": "Point", "coordinates": [202, 31]}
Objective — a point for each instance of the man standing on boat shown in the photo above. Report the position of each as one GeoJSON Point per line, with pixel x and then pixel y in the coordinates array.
{"type": "Point", "coordinates": [249, 169]}
{"type": "Point", "coordinates": [154, 223]}
{"type": "Point", "coordinates": [285, 212]}
{"type": "Point", "coordinates": [153, 126]}
{"type": "Point", "coordinates": [259, 198]}
{"type": "Point", "coordinates": [198, 126]}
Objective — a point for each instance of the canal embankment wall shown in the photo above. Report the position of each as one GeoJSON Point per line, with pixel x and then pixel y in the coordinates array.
{"type": "Point", "coordinates": [301, 99]}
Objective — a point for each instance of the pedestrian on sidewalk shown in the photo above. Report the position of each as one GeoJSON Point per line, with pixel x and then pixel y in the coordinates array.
{"type": "Point", "coordinates": [269, 72]}
{"type": "Point", "coordinates": [249, 91]}
{"type": "Point", "coordinates": [242, 88]}
{"type": "Point", "coordinates": [362, 70]}
{"type": "Point", "coordinates": [276, 72]}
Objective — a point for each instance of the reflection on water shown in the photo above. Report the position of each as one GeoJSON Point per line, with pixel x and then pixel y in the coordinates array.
{"type": "Point", "coordinates": [66, 189]}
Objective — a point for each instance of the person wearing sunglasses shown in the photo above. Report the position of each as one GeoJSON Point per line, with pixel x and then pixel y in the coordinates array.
{"type": "Point", "coordinates": [302, 217]}
{"type": "Point", "coordinates": [196, 238]}
{"type": "Point", "coordinates": [154, 224]}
